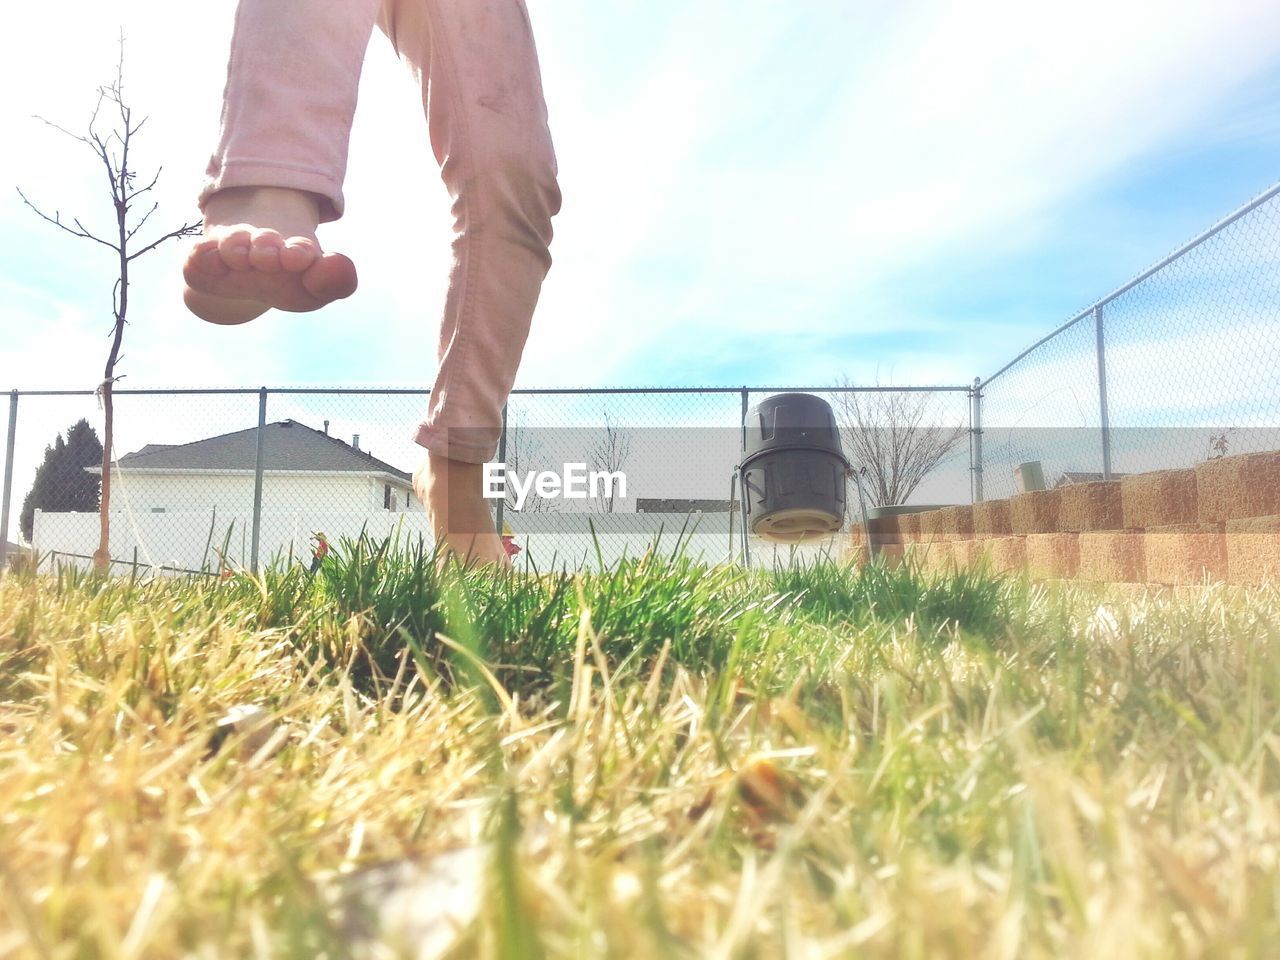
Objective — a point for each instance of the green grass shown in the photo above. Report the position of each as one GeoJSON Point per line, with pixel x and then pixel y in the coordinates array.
{"type": "Point", "coordinates": [666, 759]}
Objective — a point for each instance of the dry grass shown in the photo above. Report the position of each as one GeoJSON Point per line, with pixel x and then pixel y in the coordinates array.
{"type": "Point", "coordinates": [814, 764]}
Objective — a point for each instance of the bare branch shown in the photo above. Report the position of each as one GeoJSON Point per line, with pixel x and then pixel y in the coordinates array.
{"type": "Point", "coordinates": [105, 156]}
{"type": "Point", "coordinates": [119, 84]}
{"type": "Point", "coordinates": [142, 190]}
{"type": "Point", "coordinates": [898, 438]}
{"type": "Point", "coordinates": [96, 107]}
{"type": "Point", "coordinates": [186, 230]}
{"type": "Point", "coordinates": [61, 129]}
{"type": "Point", "coordinates": [143, 222]}
{"type": "Point", "coordinates": [56, 220]}
{"type": "Point", "coordinates": [524, 452]}
{"type": "Point", "coordinates": [609, 456]}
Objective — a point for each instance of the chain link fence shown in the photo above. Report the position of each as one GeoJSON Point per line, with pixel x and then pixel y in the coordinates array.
{"type": "Point", "coordinates": [211, 480]}
{"type": "Point", "coordinates": [1179, 365]}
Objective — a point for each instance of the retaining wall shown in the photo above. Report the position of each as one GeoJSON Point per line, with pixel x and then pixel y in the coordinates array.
{"type": "Point", "coordinates": [1217, 522]}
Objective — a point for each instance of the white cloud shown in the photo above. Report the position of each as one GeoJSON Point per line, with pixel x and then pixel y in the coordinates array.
{"type": "Point", "coordinates": [957, 122]}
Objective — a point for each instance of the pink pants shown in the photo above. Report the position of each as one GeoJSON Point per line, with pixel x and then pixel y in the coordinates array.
{"type": "Point", "coordinates": [286, 122]}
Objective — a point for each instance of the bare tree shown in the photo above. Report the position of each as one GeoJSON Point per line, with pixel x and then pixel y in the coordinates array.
{"type": "Point", "coordinates": [898, 436]}
{"type": "Point", "coordinates": [609, 456]}
{"type": "Point", "coordinates": [112, 151]}
{"type": "Point", "coordinates": [522, 454]}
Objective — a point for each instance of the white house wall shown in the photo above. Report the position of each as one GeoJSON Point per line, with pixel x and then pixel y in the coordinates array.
{"type": "Point", "coordinates": [233, 493]}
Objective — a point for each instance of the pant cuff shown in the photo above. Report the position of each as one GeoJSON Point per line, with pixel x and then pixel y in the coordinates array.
{"type": "Point", "coordinates": [253, 173]}
{"type": "Point", "coordinates": [468, 444]}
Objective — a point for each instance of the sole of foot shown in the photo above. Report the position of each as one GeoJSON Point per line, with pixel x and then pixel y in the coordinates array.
{"type": "Point", "coordinates": [260, 252]}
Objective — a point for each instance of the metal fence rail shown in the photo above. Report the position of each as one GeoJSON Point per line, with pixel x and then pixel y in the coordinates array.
{"type": "Point", "coordinates": [1180, 364]}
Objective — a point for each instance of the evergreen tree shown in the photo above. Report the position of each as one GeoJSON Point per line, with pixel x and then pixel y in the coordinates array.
{"type": "Point", "coordinates": [62, 484]}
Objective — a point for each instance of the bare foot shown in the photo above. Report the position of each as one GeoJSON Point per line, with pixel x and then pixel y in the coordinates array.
{"type": "Point", "coordinates": [260, 251]}
{"type": "Point", "coordinates": [460, 517]}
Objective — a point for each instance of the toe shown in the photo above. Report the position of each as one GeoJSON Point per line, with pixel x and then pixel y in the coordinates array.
{"type": "Point", "coordinates": [298, 253]}
{"type": "Point", "coordinates": [332, 277]}
{"type": "Point", "coordinates": [203, 262]}
{"type": "Point", "coordinates": [264, 251]}
{"type": "Point", "coordinates": [234, 247]}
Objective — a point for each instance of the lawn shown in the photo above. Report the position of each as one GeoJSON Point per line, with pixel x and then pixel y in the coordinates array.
{"type": "Point", "coordinates": [666, 760]}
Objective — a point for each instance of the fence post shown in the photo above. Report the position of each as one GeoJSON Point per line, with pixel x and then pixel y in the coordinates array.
{"type": "Point", "coordinates": [502, 459]}
{"type": "Point", "coordinates": [8, 478]}
{"type": "Point", "coordinates": [1102, 393]}
{"type": "Point", "coordinates": [257, 481]}
{"type": "Point", "coordinates": [975, 448]}
{"type": "Point", "coordinates": [742, 420]}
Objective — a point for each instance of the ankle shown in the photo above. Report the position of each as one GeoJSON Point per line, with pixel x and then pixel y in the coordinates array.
{"type": "Point", "coordinates": [451, 491]}
{"type": "Point", "coordinates": [278, 205]}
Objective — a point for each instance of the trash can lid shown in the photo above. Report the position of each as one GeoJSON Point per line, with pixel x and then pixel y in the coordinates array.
{"type": "Point", "coordinates": [791, 421]}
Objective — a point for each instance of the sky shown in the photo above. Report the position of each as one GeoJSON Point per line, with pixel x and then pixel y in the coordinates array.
{"type": "Point", "coordinates": [756, 191]}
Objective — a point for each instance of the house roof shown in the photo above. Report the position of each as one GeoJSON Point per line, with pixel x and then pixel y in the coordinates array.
{"type": "Point", "coordinates": [287, 445]}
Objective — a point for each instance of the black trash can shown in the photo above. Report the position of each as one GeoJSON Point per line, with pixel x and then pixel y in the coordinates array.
{"type": "Point", "coordinates": [793, 469]}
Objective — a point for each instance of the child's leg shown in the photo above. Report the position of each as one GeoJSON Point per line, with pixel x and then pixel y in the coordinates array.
{"type": "Point", "coordinates": [282, 153]}
{"type": "Point", "coordinates": [487, 121]}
